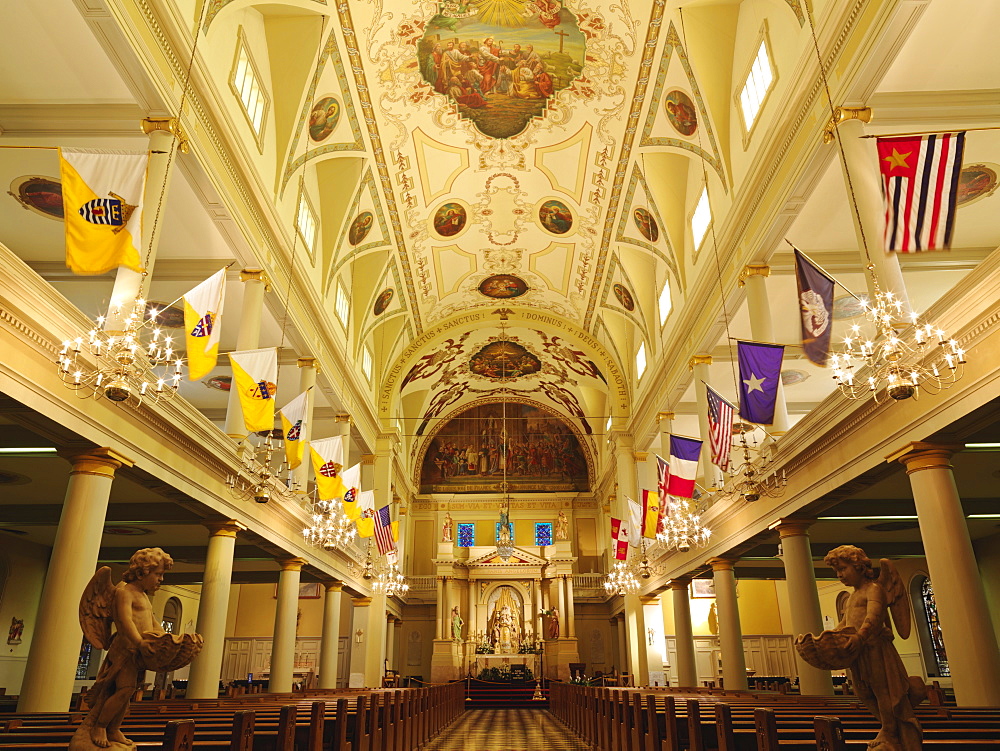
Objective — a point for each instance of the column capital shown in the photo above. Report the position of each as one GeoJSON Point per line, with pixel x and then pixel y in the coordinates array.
{"type": "Point", "coordinates": [255, 275]}
{"type": "Point", "coordinates": [390, 618]}
{"type": "Point", "coordinates": [368, 459]}
{"type": "Point", "coordinates": [343, 417]}
{"type": "Point", "coordinates": [224, 528]}
{"type": "Point", "coordinates": [101, 461]}
{"type": "Point", "coordinates": [681, 582]}
{"type": "Point", "coordinates": [172, 125]}
{"type": "Point", "coordinates": [699, 360]}
{"type": "Point", "coordinates": [640, 456]}
{"type": "Point", "coordinates": [792, 527]}
{"type": "Point", "coordinates": [307, 362]}
{"type": "Point", "coordinates": [361, 602]}
{"type": "Point", "coordinates": [843, 114]}
{"type": "Point", "coordinates": [721, 564]}
{"type": "Point", "coordinates": [649, 599]}
{"type": "Point", "coordinates": [924, 455]}
{"type": "Point", "coordinates": [753, 269]}
{"type": "Point", "coordinates": [292, 564]}
{"type": "Point", "coordinates": [334, 586]}
{"type": "Point", "coordinates": [661, 416]}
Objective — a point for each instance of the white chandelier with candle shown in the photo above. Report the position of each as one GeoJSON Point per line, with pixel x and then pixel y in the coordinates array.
{"type": "Point", "coordinates": [682, 527]}
{"type": "Point", "coordinates": [621, 580]}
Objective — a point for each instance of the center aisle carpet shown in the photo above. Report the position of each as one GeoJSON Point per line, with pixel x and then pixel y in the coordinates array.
{"type": "Point", "coordinates": [506, 730]}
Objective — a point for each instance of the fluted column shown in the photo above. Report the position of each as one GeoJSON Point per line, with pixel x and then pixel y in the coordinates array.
{"type": "Point", "coordinates": [864, 181]}
{"type": "Point", "coordinates": [55, 644]}
{"type": "Point", "coordinates": [687, 670]}
{"type": "Point", "coordinates": [308, 370]}
{"type": "Point", "coordinates": [710, 474]}
{"type": "Point", "coordinates": [803, 599]}
{"type": "Point", "coordinates": [734, 664]}
{"type": "Point", "coordinates": [570, 607]}
{"type": "Point", "coordinates": [203, 682]}
{"type": "Point", "coordinates": [329, 647]}
{"type": "Point", "coordinates": [754, 278]}
{"type": "Point", "coordinates": [958, 586]}
{"type": "Point", "coordinates": [248, 337]}
{"type": "Point", "coordinates": [285, 616]}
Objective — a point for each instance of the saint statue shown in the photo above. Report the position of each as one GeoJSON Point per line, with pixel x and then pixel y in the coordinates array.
{"type": "Point", "coordinates": [562, 526]}
{"type": "Point", "coordinates": [448, 528]}
{"type": "Point", "coordinates": [505, 624]}
{"type": "Point", "coordinates": [862, 643]}
{"type": "Point", "coordinates": [553, 626]}
{"type": "Point", "coordinates": [456, 624]}
{"type": "Point", "coordinates": [138, 644]}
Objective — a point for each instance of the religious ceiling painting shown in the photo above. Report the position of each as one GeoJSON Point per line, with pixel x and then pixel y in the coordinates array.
{"type": "Point", "coordinates": [503, 360]}
{"type": "Point", "coordinates": [469, 455]}
{"type": "Point", "coordinates": [382, 301]}
{"type": "Point", "coordinates": [642, 225]}
{"type": "Point", "coordinates": [43, 195]}
{"type": "Point", "coordinates": [624, 296]}
{"type": "Point", "coordinates": [646, 224]}
{"type": "Point", "coordinates": [450, 219]}
{"type": "Point", "coordinates": [501, 61]}
{"type": "Point", "coordinates": [555, 217]}
{"type": "Point", "coordinates": [323, 118]}
{"type": "Point", "coordinates": [975, 182]}
{"type": "Point", "coordinates": [680, 112]}
{"type": "Point", "coordinates": [360, 227]}
{"type": "Point", "coordinates": [503, 286]}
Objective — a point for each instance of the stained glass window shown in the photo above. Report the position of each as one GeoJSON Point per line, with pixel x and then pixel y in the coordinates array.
{"type": "Point", "coordinates": [83, 661]}
{"type": "Point", "coordinates": [543, 534]}
{"type": "Point", "coordinates": [511, 531]}
{"type": "Point", "coordinates": [934, 626]}
{"type": "Point", "coordinates": [466, 535]}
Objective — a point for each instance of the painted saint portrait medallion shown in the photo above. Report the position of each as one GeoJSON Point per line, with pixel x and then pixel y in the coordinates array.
{"type": "Point", "coordinates": [323, 118]}
{"type": "Point", "coordinates": [219, 383]}
{"type": "Point", "coordinates": [43, 195]}
{"type": "Point", "coordinates": [450, 219]}
{"type": "Point", "coordinates": [556, 217]}
{"type": "Point", "coordinates": [847, 307]}
{"type": "Point", "coordinates": [792, 377]}
{"type": "Point", "coordinates": [624, 297]}
{"type": "Point", "coordinates": [646, 224]}
{"type": "Point", "coordinates": [382, 301]}
{"type": "Point", "coordinates": [976, 181]}
{"type": "Point", "coordinates": [167, 316]}
{"type": "Point", "coordinates": [504, 360]}
{"type": "Point", "coordinates": [681, 112]}
{"type": "Point", "coordinates": [360, 227]}
{"type": "Point", "coordinates": [503, 286]}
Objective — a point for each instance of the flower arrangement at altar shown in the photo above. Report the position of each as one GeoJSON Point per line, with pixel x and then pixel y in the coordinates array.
{"type": "Point", "coordinates": [530, 648]}
{"type": "Point", "coordinates": [483, 647]}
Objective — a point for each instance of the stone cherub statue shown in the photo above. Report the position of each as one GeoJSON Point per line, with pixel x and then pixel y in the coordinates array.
{"type": "Point", "coordinates": [138, 644]}
{"type": "Point", "coordinates": [862, 642]}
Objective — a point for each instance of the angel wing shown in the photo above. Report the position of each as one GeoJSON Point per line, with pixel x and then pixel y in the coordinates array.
{"type": "Point", "coordinates": [95, 608]}
{"type": "Point", "coordinates": [896, 597]}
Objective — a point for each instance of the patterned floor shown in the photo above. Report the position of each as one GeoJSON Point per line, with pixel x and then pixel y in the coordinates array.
{"type": "Point", "coordinates": [506, 730]}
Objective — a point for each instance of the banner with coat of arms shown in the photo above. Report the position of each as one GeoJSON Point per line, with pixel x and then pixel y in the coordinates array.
{"type": "Point", "coordinates": [328, 463]}
{"type": "Point", "coordinates": [255, 377]}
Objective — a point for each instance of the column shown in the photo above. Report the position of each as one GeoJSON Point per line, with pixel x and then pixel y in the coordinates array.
{"type": "Point", "coordinates": [390, 633]}
{"type": "Point", "coordinates": [865, 181]}
{"type": "Point", "coordinates": [687, 670]}
{"type": "Point", "coordinates": [308, 370]}
{"type": "Point", "coordinates": [285, 616]}
{"type": "Point", "coordinates": [652, 613]}
{"type": "Point", "coordinates": [447, 605]}
{"type": "Point", "coordinates": [397, 659]}
{"type": "Point", "coordinates": [616, 652]}
{"type": "Point", "coordinates": [622, 644]}
{"type": "Point", "coordinates": [470, 617]}
{"type": "Point", "coordinates": [439, 631]}
{"type": "Point", "coordinates": [163, 135]}
{"type": "Point", "coordinates": [561, 606]}
{"type": "Point", "coordinates": [360, 639]}
{"type": "Point", "coordinates": [734, 664]}
{"type": "Point", "coordinates": [330, 645]}
{"type": "Point", "coordinates": [213, 608]}
{"type": "Point", "coordinates": [570, 607]}
{"type": "Point", "coordinates": [55, 644]}
{"type": "Point", "coordinates": [635, 635]}
{"type": "Point", "coordinates": [951, 562]}
{"type": "Point", "coordinates": [375, 652]}
{"type": "Point", "coordinates": [254, 286]}
{"type": "Point", "coordinates": [625, 472]}
{"type": "Point", "coordinates": [710, 474]}
{"type": "Point", "coordinates": [803, 599]}
{"type": "Point", "coordinates": [754, 278]}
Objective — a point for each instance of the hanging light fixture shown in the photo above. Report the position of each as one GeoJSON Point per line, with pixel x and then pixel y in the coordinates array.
{"type": "Point", "coordinates": [391, 582]}
{"type": "Point", "coordinates": [620, 580]}
{"type": "Point", "coordinates": [331, 528]}
{"type": "Point", "coordinates": [257, 476]}
{"type": "Point", "coordinates": [682, 527]}
{"type": "Point", "coordinates": [754, 477]}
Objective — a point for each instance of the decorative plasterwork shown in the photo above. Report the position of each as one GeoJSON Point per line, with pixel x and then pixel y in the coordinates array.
{"type": "Point", "coordinates": [627, 232]}
{"type": "Point", "coordinates": [565, 180]}
{"type": "Point", "coordinates": [366, 198]}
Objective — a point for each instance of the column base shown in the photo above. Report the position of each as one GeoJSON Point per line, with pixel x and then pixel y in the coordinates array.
{"type": "Point", "coordinates": [446, 661]}
{"type": "Point", "coordinates": [559, 653]}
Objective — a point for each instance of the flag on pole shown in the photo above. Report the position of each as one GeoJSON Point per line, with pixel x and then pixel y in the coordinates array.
{"type": "Point", "coordinates": [635, 522]}
{"type": "Point", "coordinates": [102, 208]}
{"type": "Point", "coordinates": [328, 462]}
{"type": "Point", "coordinates": [293, 425]}
{"type": "Point", "coordinates": [662, 480]}
{"type": "Point", "coordinates": [650, 513]}
{"type": "Point", "coordinates": [619, 533]}
{"type": "Point", "coordinates": [920, 188]}
{"type": "Point", "coordinates": [383, 531]}
{"type": "Point", "coordinates": [202, 319]}
{"type": "Point", "coordinates": [255, 376]}
{"type": "Point", "coordinates": [720, 428]}
{"type": "Point", "coordinates": [816, 306]}
{"type": "Point", "coordinates": [683, 465]}
{"type": "Point", "coordinates": [352, 488]}
{"type": "Point", "coordinates": [760, 374]}
{"type": "Point", "coordinates": [366, 522]}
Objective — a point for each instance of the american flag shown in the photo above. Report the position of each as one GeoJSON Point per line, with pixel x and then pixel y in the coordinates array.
{"type": "Point", "coordinates": [720, 428]}
{"type": "Point", "coordinates": [920, 186]}
{"type": "Point", "coordinates": [383, 531]}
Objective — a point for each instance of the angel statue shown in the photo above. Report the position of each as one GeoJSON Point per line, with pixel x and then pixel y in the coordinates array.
{"type": "Point", "coordinates": [138, 644]}
{"type": "Point", "coordinates": [862, 642]}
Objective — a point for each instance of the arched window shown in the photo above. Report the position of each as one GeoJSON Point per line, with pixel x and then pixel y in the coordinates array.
{"type": "Point", "coordinates": [928, 626]}
{"type": "Point", "coordinates": [171, 616]}
{"type": "Point", "coordinates": [841, 604]}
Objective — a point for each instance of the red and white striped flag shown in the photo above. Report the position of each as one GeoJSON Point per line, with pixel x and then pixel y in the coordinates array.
{"type": "Point", "coordinates": [383, 531]}
{"type": "Point", "coordinates": [920, 187]}
{"type": "Point", "coordinates": [720, 428]}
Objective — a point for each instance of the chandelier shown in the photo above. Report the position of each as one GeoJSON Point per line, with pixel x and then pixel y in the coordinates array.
{"type": "Point", "coordinates": [331, 528]}
{"type": "Point", "coordinates": [682, 527]}
{"type": "Point", "coordinates": [256, 475]}
{"type": "Point", "coordinates": [620, 580]}
{"type": "Point", "coordinates": [753, 477]}
{"type": "Point", "coordinates": [391, 582]}
{"type": "Point", "coordinates": [134, 365]}
{"type": "Point", "coordinates": [901, 358]}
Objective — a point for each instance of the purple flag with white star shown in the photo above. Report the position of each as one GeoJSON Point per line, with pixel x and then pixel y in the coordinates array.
{"type": "Point", "coordinates": [760, 374]}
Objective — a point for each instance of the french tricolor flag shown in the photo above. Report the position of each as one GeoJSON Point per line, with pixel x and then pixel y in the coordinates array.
{"type": "Point", "coordinates": [683, 467]}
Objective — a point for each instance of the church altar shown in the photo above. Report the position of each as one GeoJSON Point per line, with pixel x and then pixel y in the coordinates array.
{"type": "Point", "coordinates": [481, 662]}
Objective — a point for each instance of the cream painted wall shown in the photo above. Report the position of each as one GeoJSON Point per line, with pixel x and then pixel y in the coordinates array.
{"type": "Point", "coordinates": [24, 572]}
{"type": "Point", "coordinates": [416, 641]}
{"type": "Point", "coordinates": [189, 597]}
{"type": "Point", "coordinates": [758, 604]}
{"type": "Point", "coordinates": [988, 556]}
{"type": "Point", "coordinates": [255, 608]}
{"type": "Point", "coordinates": [600, 652]}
